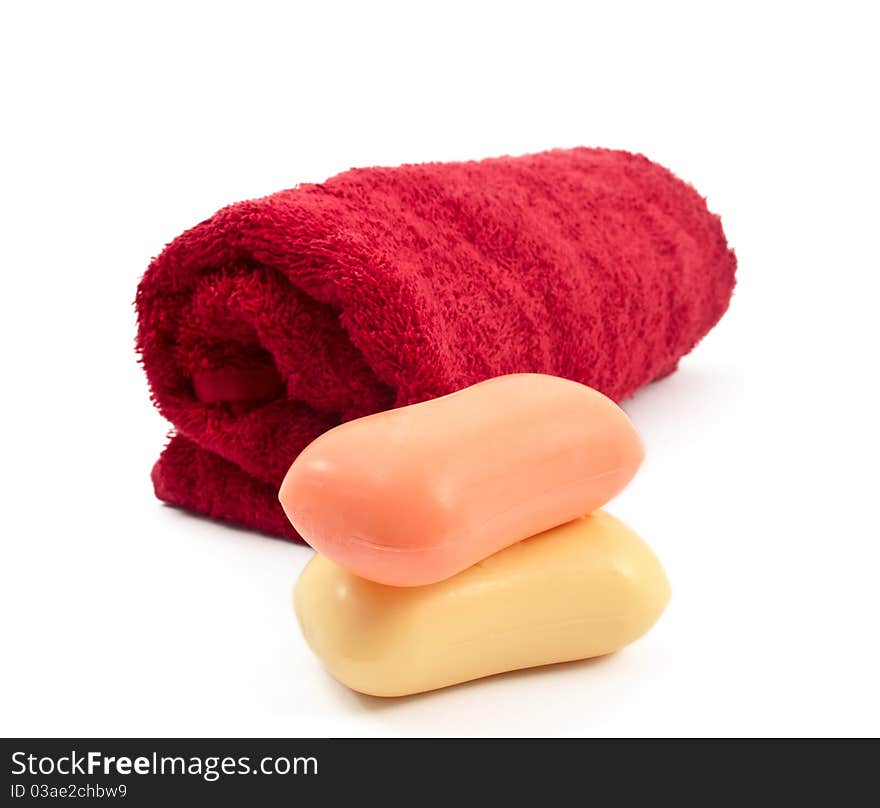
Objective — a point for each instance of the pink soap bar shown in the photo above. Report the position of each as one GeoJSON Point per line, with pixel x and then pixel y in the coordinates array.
{"type": "Point", "coordinates": [414, 495]}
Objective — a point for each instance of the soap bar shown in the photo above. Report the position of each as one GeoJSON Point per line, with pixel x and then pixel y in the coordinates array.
{"type": "Point", "coordinates": [579, 590]}
{"type": "Point", "coordinates": [413, 495]}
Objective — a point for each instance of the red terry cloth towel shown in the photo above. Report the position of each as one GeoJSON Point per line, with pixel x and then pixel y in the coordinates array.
{"type": "Point", "coordinates": [281, 317]}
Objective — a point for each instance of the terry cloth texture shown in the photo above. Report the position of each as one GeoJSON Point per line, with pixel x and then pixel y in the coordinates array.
{"type": "Point", "coordinates": [280, 317]}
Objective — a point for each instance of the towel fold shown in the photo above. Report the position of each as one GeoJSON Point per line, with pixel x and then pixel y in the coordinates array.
{"type": "Point", "coordinates": [280, 317]}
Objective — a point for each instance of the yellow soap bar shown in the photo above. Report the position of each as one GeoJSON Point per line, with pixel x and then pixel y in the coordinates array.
{"type": "Point", "coordinates": [583, 589]}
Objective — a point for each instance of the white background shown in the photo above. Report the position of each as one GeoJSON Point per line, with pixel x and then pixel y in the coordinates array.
{"type": "Point", "coordinates": [122, 126]}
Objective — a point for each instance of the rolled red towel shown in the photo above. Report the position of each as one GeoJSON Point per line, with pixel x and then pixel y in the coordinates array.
{"type": "Point", "coordinates": [277, 318]}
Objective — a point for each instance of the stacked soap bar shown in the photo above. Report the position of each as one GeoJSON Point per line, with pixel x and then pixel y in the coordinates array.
{"type": "Point", "coordinates": [452, 538]}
